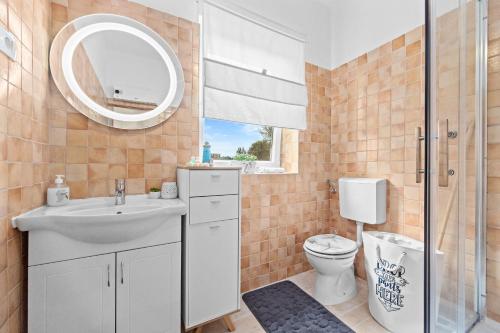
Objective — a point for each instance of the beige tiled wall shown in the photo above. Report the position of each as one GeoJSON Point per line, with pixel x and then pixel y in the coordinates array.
{"type": "Point", "coordinates": [91, 155]}
{"type": "Point", "coordinates": [85, 74]}
{"type": "Point", "coordinates": [281, 211]}
{"type": "Point", "coordinates": [290, 150]}
{"type": "Point", "coordinates": [493, 216]}
{"type": "Point", "coordinates": [23, 144]}
{"type": "Point", "coordinates": [377, 101]}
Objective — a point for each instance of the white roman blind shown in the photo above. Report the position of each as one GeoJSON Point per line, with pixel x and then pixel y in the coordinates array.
{"type": "Point", "coordinates": [254, 69]}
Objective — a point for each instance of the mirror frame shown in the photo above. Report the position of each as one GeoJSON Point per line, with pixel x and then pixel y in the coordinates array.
{"type": "Point", "coordinates": [64, 46]}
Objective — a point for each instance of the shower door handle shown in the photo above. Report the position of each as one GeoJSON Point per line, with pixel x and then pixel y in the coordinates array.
{"type": "Point", "coordinates": [418, 158]}
{"type": "Point", "coordinates": [442, 153]}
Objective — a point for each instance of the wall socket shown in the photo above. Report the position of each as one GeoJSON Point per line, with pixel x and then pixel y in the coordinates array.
{"type": "Point", "coordinates": [7, 43]}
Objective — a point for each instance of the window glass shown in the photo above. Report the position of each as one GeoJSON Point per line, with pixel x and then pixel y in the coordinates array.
{"type": "Point", "coordinates": [229, 139]}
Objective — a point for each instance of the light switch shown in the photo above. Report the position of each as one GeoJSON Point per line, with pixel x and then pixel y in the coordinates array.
{"type": "Point", "coordinates": [7, 43]}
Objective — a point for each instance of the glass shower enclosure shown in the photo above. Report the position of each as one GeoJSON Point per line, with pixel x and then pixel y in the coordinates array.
{"type": "Point", "coordinates": [456, 160]}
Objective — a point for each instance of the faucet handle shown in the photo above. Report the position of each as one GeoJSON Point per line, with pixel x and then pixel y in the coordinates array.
{"type": "Point", "coordinates": [120, 184]}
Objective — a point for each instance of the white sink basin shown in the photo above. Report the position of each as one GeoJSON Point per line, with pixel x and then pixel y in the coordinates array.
{"type": "Point", "coordinates": [99, 220]}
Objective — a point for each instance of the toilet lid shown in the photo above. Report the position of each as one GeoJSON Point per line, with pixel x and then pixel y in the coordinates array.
{"type": "Point", "coordinates": [330, 244]}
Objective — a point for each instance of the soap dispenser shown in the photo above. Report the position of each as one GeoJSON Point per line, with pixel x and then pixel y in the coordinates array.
{"type": "Point", "coordinates": [58, 193]}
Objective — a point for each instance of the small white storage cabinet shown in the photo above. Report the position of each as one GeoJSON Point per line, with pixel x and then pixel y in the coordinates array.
{"type": "Point", "coordinates": [132, 287]}
{"type": "Point", "coordinates": [211, 243]}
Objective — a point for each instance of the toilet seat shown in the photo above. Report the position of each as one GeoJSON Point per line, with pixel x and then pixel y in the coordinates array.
{"type": "Point", "coordinates": [331, 256]}
{"type": "Point", "coordinates": [330, 245]}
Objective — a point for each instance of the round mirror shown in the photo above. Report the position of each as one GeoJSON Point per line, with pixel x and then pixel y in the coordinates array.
{"type": "Point", "coordinates": [117, 71]}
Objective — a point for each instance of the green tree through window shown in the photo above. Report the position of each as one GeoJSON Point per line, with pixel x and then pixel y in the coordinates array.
{"type": "Point", "coordinates": [262, 148]}
{"type": "Point", "coordinates": [230, 139]}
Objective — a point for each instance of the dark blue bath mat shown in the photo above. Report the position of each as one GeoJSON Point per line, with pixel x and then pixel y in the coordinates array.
{"type": "Point", "coordinates": [285, 308]}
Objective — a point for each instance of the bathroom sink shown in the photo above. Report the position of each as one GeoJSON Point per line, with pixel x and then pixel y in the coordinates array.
{"type": "Point", "coordinates": [99, 220]}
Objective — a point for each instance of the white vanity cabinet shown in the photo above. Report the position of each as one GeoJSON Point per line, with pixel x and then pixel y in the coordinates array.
{"type": "Point", "coordinates": [211, 243]}
{"type": "Point", "coordinates": [116, 270]}
{"type": "Point", "coordinates": [142, 287]}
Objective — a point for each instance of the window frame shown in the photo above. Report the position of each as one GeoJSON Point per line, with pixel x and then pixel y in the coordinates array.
{"type": "Point", "coordinates": [275, 158]}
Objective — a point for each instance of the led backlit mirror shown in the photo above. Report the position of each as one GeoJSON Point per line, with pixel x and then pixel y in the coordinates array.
{"type": "Point", "coordinates": [117, 71]}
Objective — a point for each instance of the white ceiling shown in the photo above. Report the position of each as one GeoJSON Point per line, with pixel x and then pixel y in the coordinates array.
{"type": "Point", "coordinates": [336, 31]}
{"type": "Point", "coordinates": [189, 6]}
{"type": "Point", "coordinates": [329, 3]}
{"type": "Point", "coordinates": [308, 17]}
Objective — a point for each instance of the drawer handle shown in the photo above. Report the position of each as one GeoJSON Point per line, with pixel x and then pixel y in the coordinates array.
{"type": "Point", "coordinates": [214, 202]}
{"type": "Point", "coordinates": [215, 175]}
{"type": "Point", "coordinates": [213, 227]}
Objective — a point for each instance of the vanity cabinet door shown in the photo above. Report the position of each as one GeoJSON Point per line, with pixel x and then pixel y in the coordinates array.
{"type": "Point", "coordinates": [75, 296]}
{"type": "Point", "coordinates": [213, 265]}
{"type": "Point", "coordinates": [148, 292]}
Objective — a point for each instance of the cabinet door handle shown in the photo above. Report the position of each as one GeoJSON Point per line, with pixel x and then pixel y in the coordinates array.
{"type": "Point", "coordinates": [213, 227]}
{"type": "Point", "coordinates": [215, 175]}
{"type": "Point", "coordinates": [121, 269]}
{"type": "Point", "coordinates": [214, 202]}
{"type": "Point", "coordinates": [109, 269]}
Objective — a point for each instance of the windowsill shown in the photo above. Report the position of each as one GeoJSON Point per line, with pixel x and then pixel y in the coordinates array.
{"type": "Point", "coordinates": [270, 173]}
{"type": "Point", "coordinates": [261, 164]}
{"type": "Point", "coordinates": [240, 163]}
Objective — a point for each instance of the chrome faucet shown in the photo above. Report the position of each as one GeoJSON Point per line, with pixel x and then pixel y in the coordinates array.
{"type": "Point", "coordinates": [119, 191]}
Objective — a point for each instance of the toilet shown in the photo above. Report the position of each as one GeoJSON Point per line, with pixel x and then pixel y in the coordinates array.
{"type": "Point", "coordinates": [332, 256]}
{"type": "Point", "coordinates": [362, 200]}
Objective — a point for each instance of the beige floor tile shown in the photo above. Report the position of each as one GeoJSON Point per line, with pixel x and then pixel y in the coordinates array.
{"type": "Point", "coordinates": [353, 313]}
{"type": "Point", "coordinates": [488, 326]}
{"type": "Point", "coordinates": [369, 326]}
{"type": "Point", "coordinates": [356, 315]}
{"type": "Point", "coordinates": [360, 298]}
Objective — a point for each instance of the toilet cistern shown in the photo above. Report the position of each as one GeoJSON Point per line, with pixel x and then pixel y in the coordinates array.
{"type": "Point", "coordinates": [363, 200]}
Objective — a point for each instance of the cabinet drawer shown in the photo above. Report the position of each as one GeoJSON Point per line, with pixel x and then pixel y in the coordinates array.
{"type": "Point", "coordinates": [213, 182]}
{"type": "Point", "coordinates": [218, 208]}
{"type": "Point", "coordinates": [213, 266]}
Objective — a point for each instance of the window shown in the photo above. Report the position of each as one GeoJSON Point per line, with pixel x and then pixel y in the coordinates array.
{"type": "Point", "coordinates": [253, 96]}
{"type": "Point", "coordinates": [229, 139]}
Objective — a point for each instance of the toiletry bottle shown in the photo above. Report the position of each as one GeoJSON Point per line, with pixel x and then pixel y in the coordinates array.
{"type": "Point", "coordinates": [207, 155]}
{"type": "Point", "coordinates": [58, 193]}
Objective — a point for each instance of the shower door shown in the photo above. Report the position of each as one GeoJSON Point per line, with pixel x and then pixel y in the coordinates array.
{"type": "Point", "coordinates": [454, 168]}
